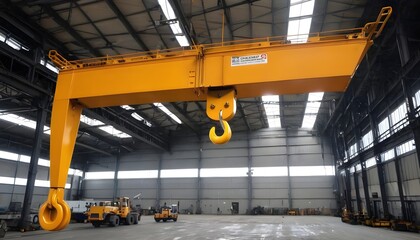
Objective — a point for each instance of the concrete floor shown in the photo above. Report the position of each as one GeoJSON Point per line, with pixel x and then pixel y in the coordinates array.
{"type": "Point", "coordinates": [223, 227]}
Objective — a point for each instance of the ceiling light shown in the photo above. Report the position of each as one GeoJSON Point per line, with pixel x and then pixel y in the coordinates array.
{"type": "Point", "coordinates": [13, 44]}
{"type": "Point", "coordinates": [141, 119]}
{"type": "Point", "coordinates": [169, 113]}
{"type": "Point", "coordinates": [127, 107]}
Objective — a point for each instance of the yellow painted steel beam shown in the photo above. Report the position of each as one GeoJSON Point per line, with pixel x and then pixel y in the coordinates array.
{"type": "Point", "coordinates": [213, 72]}
{"type": "Point", "coordinates": [288, 68]}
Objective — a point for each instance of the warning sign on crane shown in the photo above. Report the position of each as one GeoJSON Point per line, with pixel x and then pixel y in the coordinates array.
{"type": "Point", "coordinates": [249, 60]}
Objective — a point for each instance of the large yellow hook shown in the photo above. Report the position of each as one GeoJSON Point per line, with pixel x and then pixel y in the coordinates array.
{"type": "Point", "coordinates": [54, 214]}
{"type": "Point", "coordinates": [227, 132]}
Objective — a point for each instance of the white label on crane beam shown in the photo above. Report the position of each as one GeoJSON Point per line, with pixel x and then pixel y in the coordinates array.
{"type": "Point", "coordinates": [249, 60]}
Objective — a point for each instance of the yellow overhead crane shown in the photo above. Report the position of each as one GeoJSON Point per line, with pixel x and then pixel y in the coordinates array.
{"type": "Point", "coordinates": [217, 73]}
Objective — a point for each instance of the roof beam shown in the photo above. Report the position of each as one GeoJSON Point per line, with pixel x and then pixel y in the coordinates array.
{"type": "Point", "coordinates": [205, 20]}
{"type": "Point", "coordinates": [186, 119]}
{"type": "Point", "coordinates": [226, 11]}
{"type": "Point", "coordinates": [154, 24]}
{"type": "Point", "coordinates": [93, 148]}
{"type": "Point", "coordinates": [216, 8]}
{"type": "Point", "coordinates": [110, 117]}
{"type": "Point", "coordinates": [127, 25]}
{"type": "Point", "coordinates": [63, 23]}
{"type": "Point", "coordinates": [108, 43]}
{"type": "Point", "coordinates": [244, 116]}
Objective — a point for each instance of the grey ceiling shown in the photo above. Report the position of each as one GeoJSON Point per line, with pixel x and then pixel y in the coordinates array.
{"type": "Point", "coordinates": [89, 28]}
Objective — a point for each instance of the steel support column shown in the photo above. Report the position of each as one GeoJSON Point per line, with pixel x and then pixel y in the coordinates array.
{"type": "Point", "coordinates": [357, 135]}
{"type": "Point", "coordinates": [347, 185]}
{"type": "Point", "coordinates": [366, 188]}
{"type": "Point", "coordinates": [289, 183]}
{"type": "Point", "coordinates": [249, 173]}
{"type": "Point", "coordinates": [356, 188]}
{"type": "Point", "coordinates": [379, 167]}
{"type": "Point", "coordinates": [400, 185]}
{"type": "Point", "coordinates": [158, 184]}
{"type": "Point", "coordinates": [199, 190]}
{"type": "Point", "coordinates": [117, 167]}
{"type": "Point", "coordinates": [33, 165]}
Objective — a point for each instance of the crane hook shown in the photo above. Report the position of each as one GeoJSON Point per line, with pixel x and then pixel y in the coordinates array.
{"type": "Point", "coordinates": [227, 132]}
{"type": "Point", "coordinates": [54, 214]}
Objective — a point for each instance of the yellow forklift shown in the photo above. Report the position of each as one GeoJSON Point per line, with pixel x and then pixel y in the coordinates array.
{"type": "Point", "coordinates": [409, 223]}
{"type": "Point", "coordinates": [378, 218]}
{"type": "Point", "coordinates": [167, 213]}
{"type": "Point", "coordinates": [113, 213]}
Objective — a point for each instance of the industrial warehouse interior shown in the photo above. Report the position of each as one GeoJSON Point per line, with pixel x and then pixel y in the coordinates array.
{"type": "Point", "coordinates": [209, 119]}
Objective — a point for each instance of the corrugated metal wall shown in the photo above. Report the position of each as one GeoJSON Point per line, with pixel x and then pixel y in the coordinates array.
{"type": "Point", "coordinates": [410, 173]}
{"type": "Point", "coordinates": [265, 148]}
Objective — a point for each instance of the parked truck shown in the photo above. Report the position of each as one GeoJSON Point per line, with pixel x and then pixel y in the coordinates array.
{"type": "Point", "coordinates": [113, 213]}
{"type": "Point", "coordinates": [167, 213]}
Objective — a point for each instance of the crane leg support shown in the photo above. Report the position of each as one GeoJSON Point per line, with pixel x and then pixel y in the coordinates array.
{"type": "Point", "coordinates": [55, 214]}
{"type": "Point", "coordinates": [221, 105]}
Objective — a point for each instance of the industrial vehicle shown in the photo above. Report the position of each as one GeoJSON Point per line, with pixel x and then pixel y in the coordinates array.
{"type": "Point", "coordinates": [79, 209]}
{"type": "Point", "coordinates": [3, 228]}
{"type": "Point", "coordinates": [12, 216]}
{"type": "Point", "coordinates": [113, 213]}
{"type": "Point", "coordinates": [377, 218]}
{"type": "Point", "coordinates": [218, 73]}
{"type": "Point", "coordinates": [167, 213]}
{"type": "Point", "coordinates": [408, 223]}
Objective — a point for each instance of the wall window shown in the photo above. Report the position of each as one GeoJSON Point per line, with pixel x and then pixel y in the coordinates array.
{"type": "Point", "coordinates": [416, 99]}
{"type": "Point", "coordinates": [27, 159]}
{"type": "Point", "coordinates": [179, 173]}
{"type": "Point", "coordinates": [406, 147]}
{"type": "Point", "coordinates": [383, 128]}
{"type": "Point", "coordinates": [367, 140]}
{"type": "Point", "coordinates": [137, 174]}
{"type": "Point", "coordinates": [388, 155]}
{"type": "Point", "coordinates": [23, 181]}
{"type": "Point", "coordinates": [370, 162]}
{"type": "Point", "coordinates": [99, 175]}
{"type": "Point", "coordinates": [312, 171]}
{"type": "Point", "coordinates": [224, 172]}
{"type": "Point", "coordinates": [399, 118]}
{"type": "Point", "coordinates": [353, 150]}
{"type": "Point", "coordinates": [269, 171]}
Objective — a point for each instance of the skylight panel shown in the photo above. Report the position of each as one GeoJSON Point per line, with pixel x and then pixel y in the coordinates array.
{"type": "Point", "coordinates": [2, 37]}
{"type": "Point", "coordinates": [272, 110]}
{"type": "Point", "coordinates": [13, 44]}
{"type": "Point", "coordinates": [90, 121]}
{"type": "Point", "coordinates": [21, 121]}
{"type": "Point", "coordinates": [300, 19]}
{"type": "Point", "coordinates": [169, 113]}
{"type": "Point", "coordinates": [312, 108]}
{"type": "Point", "coordinates": [114, 132]}
{"type": "Point", "coordinates": [299, 8]}
{"type": "Point", "coordinates": [173, 23]}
